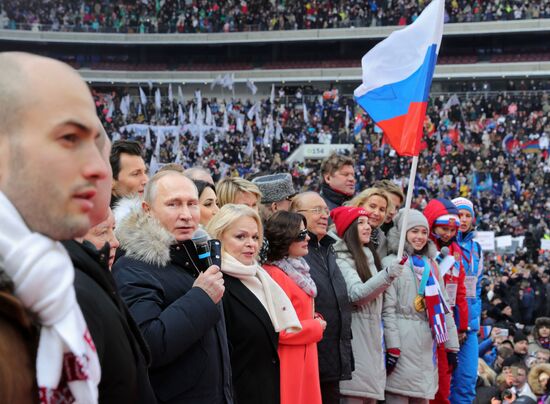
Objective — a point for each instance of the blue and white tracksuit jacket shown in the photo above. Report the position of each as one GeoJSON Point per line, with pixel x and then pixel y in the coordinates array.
{"type": "Point", "coordinates": [464, 377]}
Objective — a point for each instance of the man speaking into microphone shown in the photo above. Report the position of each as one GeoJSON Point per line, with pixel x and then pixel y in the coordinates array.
{"type": "Point", "coordinates": [175, 303]}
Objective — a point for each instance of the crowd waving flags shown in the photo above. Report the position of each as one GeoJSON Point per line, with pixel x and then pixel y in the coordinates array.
{"type": "Point", "coordinates": [397, 76]}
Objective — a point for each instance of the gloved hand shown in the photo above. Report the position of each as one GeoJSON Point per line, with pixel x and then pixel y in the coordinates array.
{"type": "Point", "coordinates": [392, 356]}
{"type": "Point", "coordinates": [395, 270]}
{"type": "Point", "coordinates": [452, 360]}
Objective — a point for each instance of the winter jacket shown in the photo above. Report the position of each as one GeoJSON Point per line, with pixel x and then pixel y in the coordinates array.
{"type": "Point", "coordinates": [334, 350]}
{"type": "Point", "coordinates": [333, 198]}
{"type": "Point", "coordinates": [252, 345]}
{"type": "Point", "coordinates": [183, 327]}
{"type": "Point", "coordinates": [369, 377]}
{"type": "Point", "coordinates": [472, 261]}
{"type": "Point", "coordinates": [298, 351]}
{"type": "Point", "coordinates": [122, 352]}
{"type": "Point", "coordinates": [533, 377]}
{"type": "Point", "coordinates": [416, 372]}
{"type": "Point", "coordinates": [535, 340]}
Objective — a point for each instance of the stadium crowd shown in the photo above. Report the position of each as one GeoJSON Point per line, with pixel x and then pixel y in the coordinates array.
{"type": "Point", "coordinates": [201, 286]}
{"type": "Point", "coordinates": [186, 16]}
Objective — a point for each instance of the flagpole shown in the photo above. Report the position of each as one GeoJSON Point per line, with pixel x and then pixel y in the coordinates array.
{"type": "Point", "coordinates": [408, 201]}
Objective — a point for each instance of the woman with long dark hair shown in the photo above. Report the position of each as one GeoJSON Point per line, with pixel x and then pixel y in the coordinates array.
{"type": "Point", "coordinates": [366, 282]}
{"type": "Point", "coordinates": [288, 244]}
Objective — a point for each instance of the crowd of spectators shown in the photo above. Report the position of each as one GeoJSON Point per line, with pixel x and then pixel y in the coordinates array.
{"type": "Point", "coordinates": [477, 148]}
{"type": "Point", "coordinates": [207, 16]}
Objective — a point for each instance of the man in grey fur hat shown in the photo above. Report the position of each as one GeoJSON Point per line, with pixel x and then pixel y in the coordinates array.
{"type": "Point", "coordinates": [277, 192]}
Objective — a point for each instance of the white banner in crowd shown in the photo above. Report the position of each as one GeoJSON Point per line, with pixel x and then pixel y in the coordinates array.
{"type": "Point", "coordinates": [486, 240]}
{"type": "Point", "coordinates": [503, 242]}
{"type": "Point", "coordinates": [544, 244]}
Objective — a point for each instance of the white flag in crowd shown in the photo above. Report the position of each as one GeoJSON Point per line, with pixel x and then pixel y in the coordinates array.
{"type": "Point", "coordinates": [181, 115]}
{"type": "Point", "coordinates": [191, 114]}
{"type": "Point", "coordinates": [228, 81]}
{"type": "Point", "coordinates": [176, 144]}
{"type": "Point", "coordinates": [198, 97]}
{"type": "Point", "coordinates": [453, 100]}
{"type": "Point", "coordinates": [225, 121]}
{"type": "Point", "coordinates": [258, 120]}
{"type": "Point", "coordinates": [111, 109]}
{"type": "Point", "coordinates": [218, 81]}
{"type": "Point", "coordinates": [272, 95]}
{"type": "Point", "coordinates": [250, 145]}
{"type": "Point", "coordinates": [158, 104]}
{"type": "Point", "coordinates": [252, 87]}
{"type": "Point", "coordinates": [252, 111]}
{"type": "Point", "coordinates": [142, 97]}
{"type": "Point", "coordinates": [170, 95]}
{"type": "Point", "coordinates": [240, 123]}
{"type": "Point", "coordinates": [278, 130]}
{"type": "Point", "coordinates": [180, 95]}
{"type": "Point", "coordinates": [347, 118]}
{"type": "Point", "coordinates": [208, 115]}
{"type": "Point", "coordinates": [306, 114]}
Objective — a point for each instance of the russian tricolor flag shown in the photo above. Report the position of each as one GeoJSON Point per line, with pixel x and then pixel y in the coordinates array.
{"type": "Point", "coordinates": [397, 76]}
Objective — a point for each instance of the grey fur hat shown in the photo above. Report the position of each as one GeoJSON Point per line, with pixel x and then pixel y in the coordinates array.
{"type": "Point", "coordinates": [275, 187]}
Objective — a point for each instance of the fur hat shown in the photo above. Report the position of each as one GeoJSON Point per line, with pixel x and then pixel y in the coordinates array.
{"type": "Point", "coordinates": [275, 187]}
{"type": "Point", "coordinates": [519, 336]}
{"type": "Point", "coordinates": [441, 212]}
{"type": "Point", "coordinates": [533, 377]}
{"type": "Point", "coordinates": [344, 216]}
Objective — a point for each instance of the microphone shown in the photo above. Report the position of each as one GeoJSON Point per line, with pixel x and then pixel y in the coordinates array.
{"type": "Point", "coordinates": [442, 254]}
{"type": "Point", "coordinates": [208, 251]}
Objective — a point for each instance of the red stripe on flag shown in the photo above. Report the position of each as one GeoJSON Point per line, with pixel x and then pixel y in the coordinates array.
{"type": "Point", "coordinates": [404, 132]}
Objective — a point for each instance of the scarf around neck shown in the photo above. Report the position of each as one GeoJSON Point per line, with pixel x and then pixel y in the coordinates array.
{"type": "Point", "coordinates": [67, 365]}
{"type": "Point", "coordinates": [436, 307]}
{"type": "Point", "coordinates": [267, 291]}
{"type": "Point", "coordinates": [297, 269]}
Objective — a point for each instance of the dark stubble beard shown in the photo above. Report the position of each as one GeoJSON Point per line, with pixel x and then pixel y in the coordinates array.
{"type": "Point", "coordinates": [40, 200]}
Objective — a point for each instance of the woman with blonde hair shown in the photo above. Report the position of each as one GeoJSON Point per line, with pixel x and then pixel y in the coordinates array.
{"type": "Point", "coordinates": [238, 191]}
{"type": "Point", "coordinates": [377, 203]}
{"type": "Point", "coordinates": [256, 309]}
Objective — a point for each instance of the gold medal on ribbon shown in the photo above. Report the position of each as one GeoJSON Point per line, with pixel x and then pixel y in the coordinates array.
{"type": "Point", "coordinates": [419, 304]}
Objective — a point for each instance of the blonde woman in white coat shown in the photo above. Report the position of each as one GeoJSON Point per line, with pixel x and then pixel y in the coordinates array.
{"type": "Point", "coordinates": [366, 282]}
{"type": "Point", "coordinates": [416, 317]}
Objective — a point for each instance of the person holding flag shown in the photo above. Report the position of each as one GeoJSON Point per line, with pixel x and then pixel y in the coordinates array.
{"type": "Point", "coordinates": [397, 76]}
{"type": "Point", "coordinates": [443, 222]}
{"type": "Point", "coordinates": [465, 375]}
{"type": "Point", "coordinates": [416, 318]}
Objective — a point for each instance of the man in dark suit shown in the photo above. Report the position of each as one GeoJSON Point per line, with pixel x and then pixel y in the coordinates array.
{"type": "Point", "coordinates": [176, 306]}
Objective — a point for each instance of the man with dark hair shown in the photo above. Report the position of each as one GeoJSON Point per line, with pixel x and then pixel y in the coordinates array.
{"type": "Point", "coordinates": [129, 171]}
{"type": "Point", "coordinates": [337, 180]}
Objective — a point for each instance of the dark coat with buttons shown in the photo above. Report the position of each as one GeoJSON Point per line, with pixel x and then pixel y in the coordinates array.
{"type": "Point", "coordinates": [332, 302]}
{"type": "Point", "coordinates": [252, 345]}
{"type": "Point", "coordinates": [123, 354]}
{"type": "Point", "coordinates": [183, 327]}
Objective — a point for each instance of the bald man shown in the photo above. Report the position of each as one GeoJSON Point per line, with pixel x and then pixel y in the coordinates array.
{"type": "Point", "coordinates": [334, 350]}
{"type": "Point", "coordinates": [50, 168]}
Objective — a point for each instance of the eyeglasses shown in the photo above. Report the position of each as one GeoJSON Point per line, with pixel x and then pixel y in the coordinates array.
{"type": "Point", "coordinates": [318, 210]}
{"type": "Point", "coordinates": [301, 236]}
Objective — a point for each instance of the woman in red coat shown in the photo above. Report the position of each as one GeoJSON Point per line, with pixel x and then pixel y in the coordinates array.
{"type": "Point", "coordinates": [288, 243]}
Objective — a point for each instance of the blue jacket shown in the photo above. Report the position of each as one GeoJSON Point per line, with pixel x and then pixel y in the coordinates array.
{"type": "Point", "coordinates": [472, 259]}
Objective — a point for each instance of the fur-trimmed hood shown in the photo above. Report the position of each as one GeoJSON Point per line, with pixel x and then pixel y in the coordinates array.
{"type": "Point", "coordinates": [141, 236]}
{"type": "Point", "coordinates": [533, 378]}
{"type": "Point", "coordinates": [539, 322]}
{"type": "Point", "coordinates": [430, 250]}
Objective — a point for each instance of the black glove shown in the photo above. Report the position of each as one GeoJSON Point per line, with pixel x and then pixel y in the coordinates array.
{"type": "Point", "coordinates": [391, 360]}
{"type": "Point", "coordinates": [452, 360]}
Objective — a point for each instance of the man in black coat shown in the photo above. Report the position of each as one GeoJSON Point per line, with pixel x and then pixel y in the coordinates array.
{"type": "Point", "coordinates": [176, 306]}
{"type": "Point", "coordinates": [337, 180]}
{"type": "Point", "coordinates": [332, 302]}
{"type": "Point", "coordinates": [123, 354]}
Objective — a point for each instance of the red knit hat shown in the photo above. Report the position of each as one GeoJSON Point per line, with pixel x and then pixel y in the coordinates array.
{"type": "Point", "coordinates": [344, 216]}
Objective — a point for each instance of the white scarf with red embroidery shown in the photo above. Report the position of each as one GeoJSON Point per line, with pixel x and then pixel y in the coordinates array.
{"type": "Point", "coordinates": [67, 365]}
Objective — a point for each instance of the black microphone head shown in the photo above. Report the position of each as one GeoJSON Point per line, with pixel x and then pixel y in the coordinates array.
{"type": "Point", "coordinates": [444, 251]}
{"type": "Point", "coordinates": [200, 236]}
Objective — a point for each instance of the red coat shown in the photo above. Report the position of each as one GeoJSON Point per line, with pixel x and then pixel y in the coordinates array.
{"type": "Point", "coordinates": [298, 351]}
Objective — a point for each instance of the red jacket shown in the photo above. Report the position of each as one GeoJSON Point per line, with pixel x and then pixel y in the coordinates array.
{"type": "Point", "coordinates": [298, 351]}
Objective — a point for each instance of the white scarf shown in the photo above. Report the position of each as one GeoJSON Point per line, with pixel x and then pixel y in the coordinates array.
{"type": "Point", "coordinates": [269, 293]}
{"type": "Point", "coordinates": [43, 275]}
